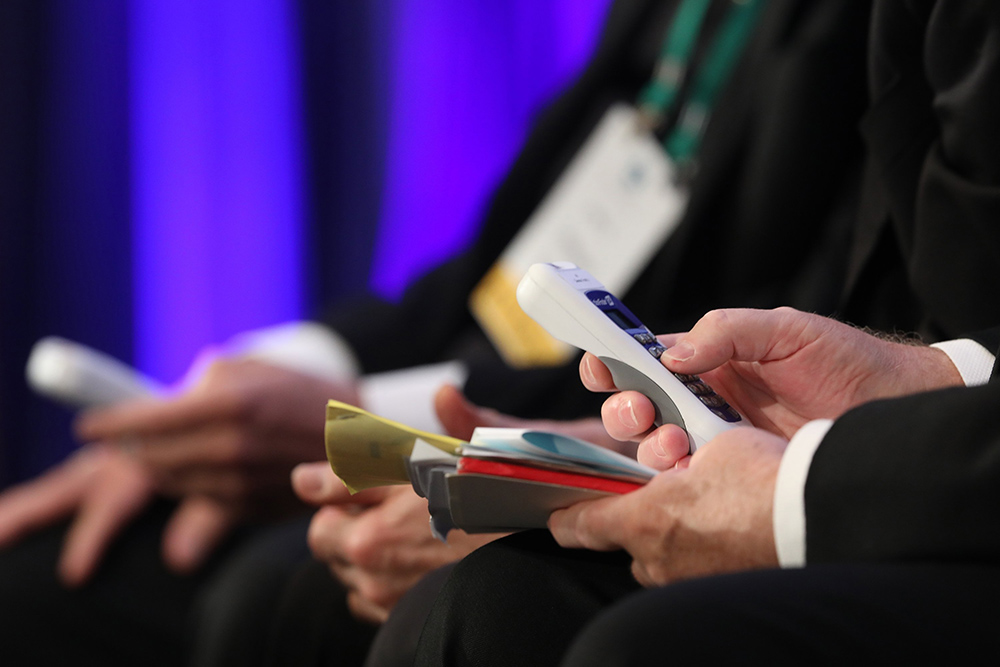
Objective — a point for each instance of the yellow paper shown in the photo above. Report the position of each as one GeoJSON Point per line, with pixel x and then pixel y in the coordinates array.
{"type": "Point", "coordinates": [366, 450]}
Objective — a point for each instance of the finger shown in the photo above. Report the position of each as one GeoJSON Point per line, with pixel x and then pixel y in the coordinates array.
{"type": "Point", "coordinates": [642, 575]}
{"type": "Point", "coordinates": [43, 501]}
{"type": "Point", "coordinates": [669, 340]}
{"type": "Point", "coordinates": [346, 573]}
{"type": "Point", "coordinates": [120, 493]}
{"type": "Point", "coordinates": [365, 609]}
{"type": "Point", "coordinates": [150, 416]}
{"type": "Point", "coordinates": [371, 590]}
{"type": "Point", "coordinates": [210, 444]}
{"type": "Point", "coordinates": [327, 532]}
{"type": "Point", "coordinates": [628, 415]}
{"type": "Point", "coordinates": [216, 445]}
{"type": "Point", "coordinates": [592, 524]}
{"type": "Point", "coordinates": [562, 525]}
{"type": "Point", "coordinates": [595, 375]}
{"type": "Point", "coordinates": [741, 335]}
{"type": "Point", "coordinates": [316, 483]}
{"type": "Point", "coordinates": [229, 484]}
{"type": "Point", "coordinates": [664, 448]}
{"type": "Point", "coordinates": [194, 531]}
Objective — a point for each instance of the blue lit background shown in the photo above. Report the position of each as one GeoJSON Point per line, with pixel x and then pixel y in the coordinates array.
{"type": "Point", "coordinates": [466, 78]}
{"type": "Point", "coordinates": [176, 172]}
{"type": "Point", "coordinates": [217, 173]}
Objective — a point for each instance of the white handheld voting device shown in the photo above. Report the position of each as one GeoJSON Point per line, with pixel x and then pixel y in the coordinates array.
{"type": "Point", "coordinates": [575, 308]}
{"type": "Point", "coordinates": [80, 376]}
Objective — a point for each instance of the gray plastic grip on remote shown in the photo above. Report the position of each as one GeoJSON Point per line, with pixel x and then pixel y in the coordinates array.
{"type": "Point", "coordinates": [626, 377]}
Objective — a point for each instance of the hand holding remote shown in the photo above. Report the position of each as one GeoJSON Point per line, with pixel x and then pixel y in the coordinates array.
{"type": "Point", "coordinates": [781, 368]}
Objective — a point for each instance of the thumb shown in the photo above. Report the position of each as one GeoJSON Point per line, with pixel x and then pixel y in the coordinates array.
{"type": "Point", "coordinates": [194, 531]}
{"type": "Point", "coordinates": [317, 484]}
{"type": "Point", "coordinates": [740, 334]}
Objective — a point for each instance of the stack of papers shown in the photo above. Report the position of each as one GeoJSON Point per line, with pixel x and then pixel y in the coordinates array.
{"type": "Point", "coordinates": [503, 479]}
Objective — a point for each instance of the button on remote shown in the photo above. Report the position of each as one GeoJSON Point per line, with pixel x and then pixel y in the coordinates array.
{"type": "Point", "coordinates": [699, 388]}
{"type": "Point", "coordinates": [727, 413]}
{"type": "Point", "coordinates": [713, 401]}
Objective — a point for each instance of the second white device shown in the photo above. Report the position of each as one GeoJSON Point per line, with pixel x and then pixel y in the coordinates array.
{"type": "Point", "coordinates": [574, 307]}
{"type": "Point", "coordinates": [81, 377]}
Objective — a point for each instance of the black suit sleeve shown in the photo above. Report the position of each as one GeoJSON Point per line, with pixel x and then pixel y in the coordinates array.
{"type": "Point", "coordinates": [910, 479]}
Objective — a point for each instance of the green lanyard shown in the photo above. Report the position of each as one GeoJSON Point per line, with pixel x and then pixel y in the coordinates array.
{"type": "Point", "coordinates": [659, 97]}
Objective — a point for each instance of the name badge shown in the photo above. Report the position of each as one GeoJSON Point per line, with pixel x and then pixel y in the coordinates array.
{"type": "Point", "coordinates": [611, 210]}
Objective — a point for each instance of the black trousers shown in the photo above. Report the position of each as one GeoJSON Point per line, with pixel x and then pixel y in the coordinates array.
{"type": "Point", "coordinates": [135, 611]}
{"type": "Point", "coordinates": [261, 601]}
{"type": "Point", "coordinates": [315, 629]}
{"type": "Point", "coordinates": [525, 601]}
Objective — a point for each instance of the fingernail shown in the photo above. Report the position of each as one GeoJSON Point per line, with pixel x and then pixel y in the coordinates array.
{"type": "Point", "coordinates": [658, 449]}
{"type": "Point", "coordinates": [626, 414]}
{"type": "Point", "coordinates": [586, 373]}
{"type": "Point", "coordinates": [682, 351]}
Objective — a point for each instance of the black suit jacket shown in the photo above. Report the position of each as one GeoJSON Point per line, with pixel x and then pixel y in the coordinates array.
{"type": "Point", "coordinates": [919, 478]}
{"type": "Point", "coordinates": [923, 482]}
{"type": "Point", "coordinates": [768, 217]}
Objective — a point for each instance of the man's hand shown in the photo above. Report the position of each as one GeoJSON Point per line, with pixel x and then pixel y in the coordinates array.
{"type": "Point", "coordinates": [224, 448]}
{"type": "Point", "coordinates": [102, 490]}
{"type": "Point", "coordinates": [232, 438]}
{"type": "Point", "coordinates": [712, 517]}
{"type": "Point", "coordinates": [780, 368]}
{"type": "Point", "coordinates": [377, 543]}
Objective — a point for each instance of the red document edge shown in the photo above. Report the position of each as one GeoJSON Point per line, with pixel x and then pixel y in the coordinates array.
{"type": "Point", "coordinates": [515, 471]}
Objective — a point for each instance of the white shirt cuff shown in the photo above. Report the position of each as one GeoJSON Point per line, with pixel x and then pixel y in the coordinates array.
{"type": "Point", "coordinates": [973, 361]}
{"type": "Point", "coordinates": [407, 395]}
{"type": "Point", "coordinates": [305, 347]}
{"type": "Point", "coordinates": [789, 493]}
